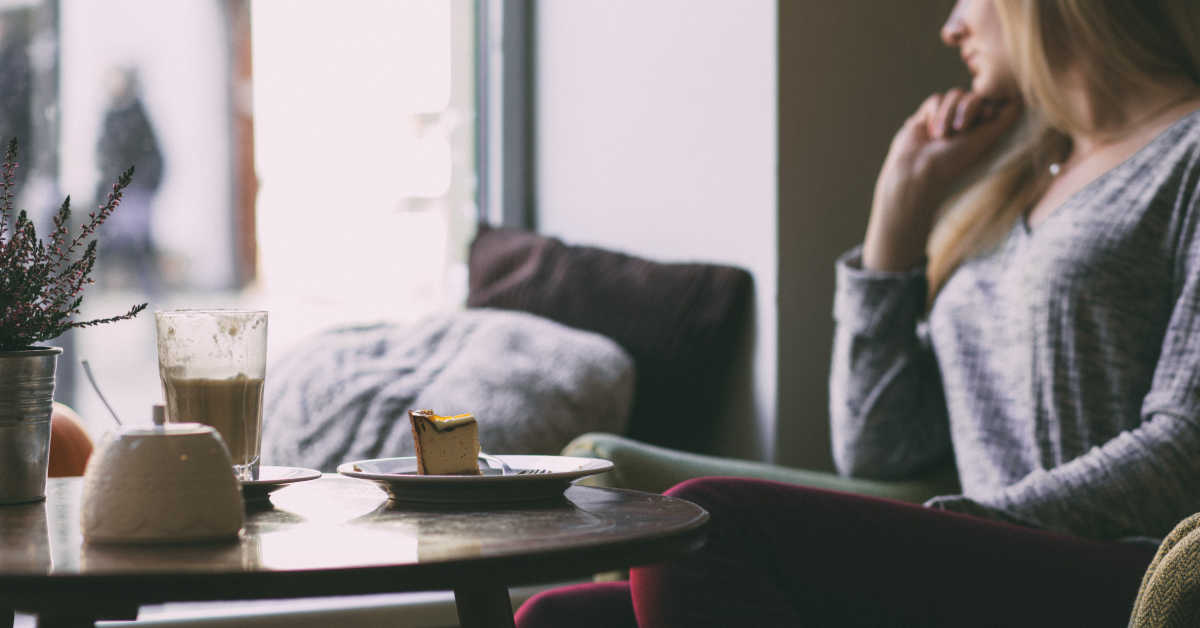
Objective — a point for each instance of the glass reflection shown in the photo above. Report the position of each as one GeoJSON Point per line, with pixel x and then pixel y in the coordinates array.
{"type": "Point", "coordinates": [333, 546]}
{"type": "Point", "coordinates": [241, 555]}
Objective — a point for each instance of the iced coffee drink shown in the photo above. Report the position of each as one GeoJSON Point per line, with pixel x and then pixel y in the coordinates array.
{"type": "Point", "coordinates": [212, 364]}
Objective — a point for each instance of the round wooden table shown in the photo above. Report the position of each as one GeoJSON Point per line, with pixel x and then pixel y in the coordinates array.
{"type": "Point", "coordinates": [337, 536]}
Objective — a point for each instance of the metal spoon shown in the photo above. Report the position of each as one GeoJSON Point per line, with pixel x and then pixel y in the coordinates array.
{"type": "Point", "coordinates": [87, 370]}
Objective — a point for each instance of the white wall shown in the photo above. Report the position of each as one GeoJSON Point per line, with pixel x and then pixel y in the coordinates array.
{"type": "Point", "coordinates": [656, 135]}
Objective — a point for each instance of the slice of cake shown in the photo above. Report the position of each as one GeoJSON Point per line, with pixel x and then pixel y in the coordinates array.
{"type": "Point", "coordinates": [446, 445]}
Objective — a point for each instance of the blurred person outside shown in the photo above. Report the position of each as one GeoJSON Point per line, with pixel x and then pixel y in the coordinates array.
{"type": "Point", "coordinates": [128, 256]}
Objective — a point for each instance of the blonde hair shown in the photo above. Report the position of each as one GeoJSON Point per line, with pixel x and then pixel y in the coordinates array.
{"type": "Point", "coordinates": [1117, 46]}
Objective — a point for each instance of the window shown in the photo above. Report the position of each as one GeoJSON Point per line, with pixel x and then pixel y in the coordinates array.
{"type": "Point", "coordinates": [312, 158]}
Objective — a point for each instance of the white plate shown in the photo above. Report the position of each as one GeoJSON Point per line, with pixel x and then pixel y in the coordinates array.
{"type": "Point", "coordinates": [271, 479]}
{"type": "Point", "coordinates": [399, 477]}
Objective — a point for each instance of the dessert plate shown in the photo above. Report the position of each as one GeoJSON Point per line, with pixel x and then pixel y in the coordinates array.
{"type": "Point", "coordinates": [271, 479]}
{"type": "Point", "coordinates": [399, 477]}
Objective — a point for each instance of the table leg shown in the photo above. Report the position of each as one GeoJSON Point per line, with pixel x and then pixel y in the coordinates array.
{"type": "Point", "coordinates": [484, 607]}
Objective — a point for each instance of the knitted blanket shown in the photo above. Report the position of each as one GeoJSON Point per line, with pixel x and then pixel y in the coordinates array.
{"type": "Point", "coordinates": [533, 385]}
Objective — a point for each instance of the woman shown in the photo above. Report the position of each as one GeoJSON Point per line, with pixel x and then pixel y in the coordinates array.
{"type": "Point", "coordinates": [1026, 300]}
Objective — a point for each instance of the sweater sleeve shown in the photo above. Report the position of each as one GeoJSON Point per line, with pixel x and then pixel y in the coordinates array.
{"type": "Point", "coordinates": [1144, 480]}
{"type": "Point", "coordinates": [887, 410]}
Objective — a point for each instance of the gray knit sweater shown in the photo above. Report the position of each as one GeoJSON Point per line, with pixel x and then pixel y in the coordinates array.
{"type": "Point", "coordinates": [1061, 369]}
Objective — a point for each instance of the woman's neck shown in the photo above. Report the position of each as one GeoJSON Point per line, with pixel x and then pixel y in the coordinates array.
{"type": "Point", "coordinates": [1141, 112]}
{"type": "Point", "coordinates": [1110, 135]}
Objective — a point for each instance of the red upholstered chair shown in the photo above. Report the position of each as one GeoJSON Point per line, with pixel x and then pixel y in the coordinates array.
{"type": "Point", "coordinates": [70, 445]}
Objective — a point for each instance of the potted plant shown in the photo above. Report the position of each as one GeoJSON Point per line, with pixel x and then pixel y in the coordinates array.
{"type": "Point", "coordinates": [41, 286]}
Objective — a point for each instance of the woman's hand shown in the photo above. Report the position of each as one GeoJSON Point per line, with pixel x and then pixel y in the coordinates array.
{"type": "Point", "coordinates": [948, 134]}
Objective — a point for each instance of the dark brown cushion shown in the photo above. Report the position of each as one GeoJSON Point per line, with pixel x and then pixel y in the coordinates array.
{"type": "Point", "coordinates": [680, 322]}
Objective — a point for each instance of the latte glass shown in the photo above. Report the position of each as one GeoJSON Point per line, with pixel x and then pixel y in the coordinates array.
{"type": "Point", "coordinates": [212, 364]}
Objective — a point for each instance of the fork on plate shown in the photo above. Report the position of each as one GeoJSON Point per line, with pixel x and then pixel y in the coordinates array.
{"type": "Point", "coordinates": [496, 461]}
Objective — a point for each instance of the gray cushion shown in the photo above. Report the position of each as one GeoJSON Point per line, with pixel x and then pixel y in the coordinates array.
{"type": "Point", "coordinates": [533, 385]}
{"type": "Point", "coordinates": [682, 323]}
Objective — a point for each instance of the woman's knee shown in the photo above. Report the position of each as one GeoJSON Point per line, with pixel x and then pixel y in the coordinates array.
{"type": "Point", "coordinates": [602, 605]}
{"type": "Point", "coordinates": [722, 494]}
{"type": "Point", "coordinates": [687, 488]}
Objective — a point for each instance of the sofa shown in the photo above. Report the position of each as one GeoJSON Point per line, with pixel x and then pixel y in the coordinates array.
{"type": "Point", "coordinates": [682, 325]}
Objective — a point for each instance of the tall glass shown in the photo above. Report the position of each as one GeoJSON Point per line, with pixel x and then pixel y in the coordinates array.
{"type": "Point", "coordinates": [212, 364]}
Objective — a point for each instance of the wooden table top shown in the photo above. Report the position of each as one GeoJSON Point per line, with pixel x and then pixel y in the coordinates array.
{"type": "Point", "coordinates": [341, 536]}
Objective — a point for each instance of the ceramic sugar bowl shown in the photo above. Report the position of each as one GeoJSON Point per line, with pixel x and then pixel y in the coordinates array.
{"type": "Point", "coordinates": [170, 483]}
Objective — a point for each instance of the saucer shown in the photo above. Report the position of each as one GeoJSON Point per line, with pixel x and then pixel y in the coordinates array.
{"type": "Point", "coordinates": [271, 479]}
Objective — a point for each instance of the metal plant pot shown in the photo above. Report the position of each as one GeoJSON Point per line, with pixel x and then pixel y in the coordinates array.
{"type": "Point", "coordinates": [26, 402]}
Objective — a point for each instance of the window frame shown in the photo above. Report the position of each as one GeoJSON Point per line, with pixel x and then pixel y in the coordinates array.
{"type": "Point", "coordinates": [505, 81]}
